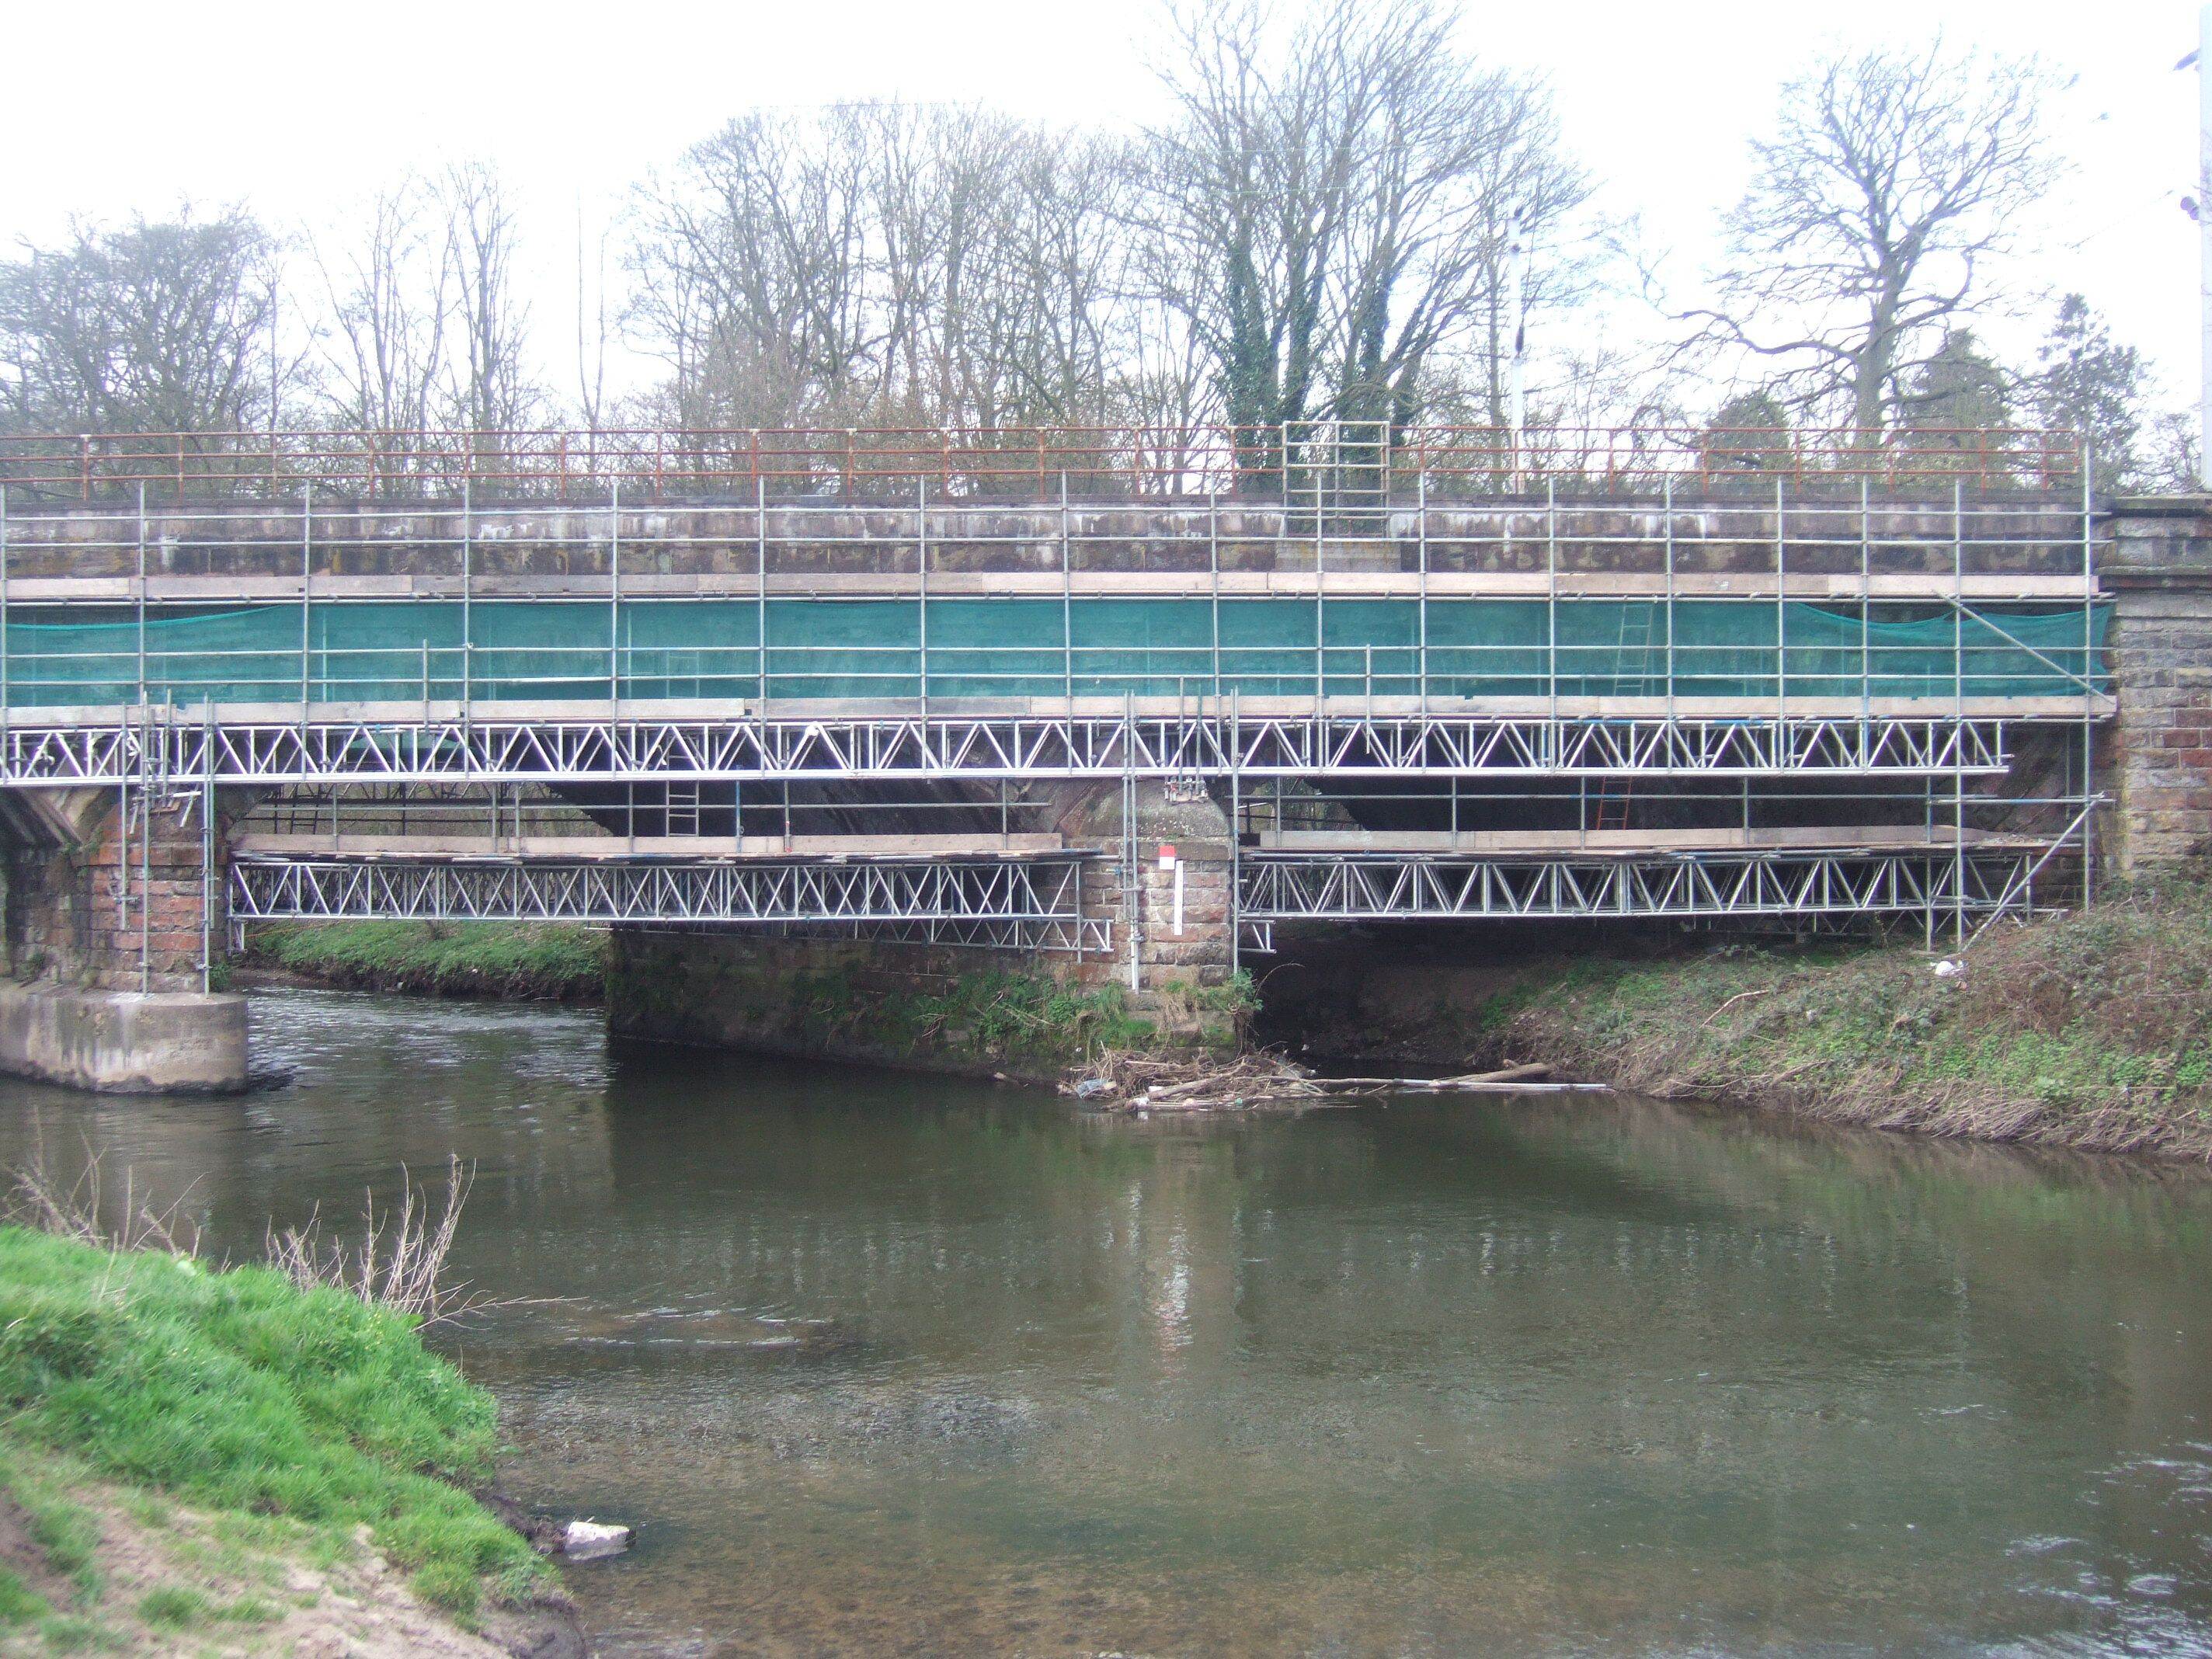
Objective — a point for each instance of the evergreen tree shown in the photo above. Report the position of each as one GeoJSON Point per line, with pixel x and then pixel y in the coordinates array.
{"type": "Point", "coordinates": [1959, 389]}
{"type": "Point", "coordinates": [2084, 383]}
{"type": "Point", "coordinates": [1749, 433]}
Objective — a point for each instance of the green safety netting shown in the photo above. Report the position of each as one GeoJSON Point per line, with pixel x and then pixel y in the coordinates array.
{"type": "Point", "coordinates": [848, 649]}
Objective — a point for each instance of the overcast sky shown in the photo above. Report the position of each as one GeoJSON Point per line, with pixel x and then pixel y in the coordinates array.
{"type": "Point", "coordinates": [297, 109]}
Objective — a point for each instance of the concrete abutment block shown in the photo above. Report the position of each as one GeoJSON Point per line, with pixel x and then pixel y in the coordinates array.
{"type": "Point", "coordinates": [124, 1042]}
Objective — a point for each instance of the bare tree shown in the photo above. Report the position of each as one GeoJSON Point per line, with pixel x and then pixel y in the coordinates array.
{"type": "Point", "coordinates": [1247, 191]}
{"type": "Point", "coordinates": [389, 297]}
{"type": "Point", "coordinates": [1003, 277]}
{"type": "Point", "coordinates": [749, 271]}
{"type": "Point", "coordinates": [148, 327]}
{"type": "Point", "coordinates": [1072, 349]}
{"type": "Point", "coordinates": [1336, 206]}
{"type": "Point", "coordinates": [1895, 180]}
{"type": "Point", "coordinates": [886, 264]}
{"type": "Point", "coordinates": [591, 329]}
{"type": "Point", "coordinates": [489, 387]}
{"type": "Point", "coordinates": [2170, 461]}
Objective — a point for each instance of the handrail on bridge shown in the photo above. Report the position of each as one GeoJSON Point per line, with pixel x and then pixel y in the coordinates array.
{"type": "Point", "coordinates": [1324, 464]}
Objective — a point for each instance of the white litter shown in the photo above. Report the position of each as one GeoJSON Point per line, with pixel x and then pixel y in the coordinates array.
{"type": "Point", "coordinates": [586, 1539]}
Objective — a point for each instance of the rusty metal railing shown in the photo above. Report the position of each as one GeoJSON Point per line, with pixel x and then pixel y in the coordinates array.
{"type": "Point", "coordinates": [1318, 461]}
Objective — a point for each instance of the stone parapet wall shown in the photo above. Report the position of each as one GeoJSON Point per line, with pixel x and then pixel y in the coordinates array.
{"type": "Point", "coordinates": [2156, 557]}
{"type": "Point", "coordinates": [2159, 757]}
{"type": "Point", "coordinates": [541, 541]}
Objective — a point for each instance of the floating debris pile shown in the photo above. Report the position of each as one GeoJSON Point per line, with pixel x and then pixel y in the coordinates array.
{"type": "Point", "coordinates": [1124, 1081]}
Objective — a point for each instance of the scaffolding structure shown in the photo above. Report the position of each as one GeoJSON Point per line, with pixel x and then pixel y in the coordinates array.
{"type": "Point", "coordinates": [1977, 883]}
{"type": "Point", "coordinates": [561, 747]}
{"type": "Point", "coordinates": [1419, 635]}
{"type": "Point", "coordinates": [1034, 903]}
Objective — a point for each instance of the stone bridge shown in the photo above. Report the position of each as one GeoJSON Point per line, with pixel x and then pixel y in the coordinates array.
{"type": "Point", "coordinates": [1127, 739]}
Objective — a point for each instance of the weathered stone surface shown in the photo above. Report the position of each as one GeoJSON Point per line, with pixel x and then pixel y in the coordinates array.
{"type": "Point", "coordinates": [86, 909]}
{"type": "Point", "coordinates": [515, 544]}
{"type": "Point", "coordinates": [121, 1041]}
{"type": "Point", "coordinates": [2157, 759]}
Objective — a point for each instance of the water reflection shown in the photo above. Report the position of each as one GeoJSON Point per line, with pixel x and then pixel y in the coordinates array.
{"type": "Point", "coordinates": [882, 1363]}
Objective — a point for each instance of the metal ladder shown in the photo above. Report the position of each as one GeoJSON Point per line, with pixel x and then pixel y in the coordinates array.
{"type": "Point", "coordinates": [682, 810]}
{"type": "Point", "coordinates": [1336, 477]}
{"type": "Point", "coordinates": [1638, 621]}
{"type": "Point", "coordinates": [155, 789]}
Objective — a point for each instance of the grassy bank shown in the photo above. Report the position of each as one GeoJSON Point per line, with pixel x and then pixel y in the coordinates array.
{"type": "Point", "coordinates": [2090, 1030]}
{"type": "Point", "coordinates": [290, 1423]}
{"type": "Point", "coordinates": [543, 960]}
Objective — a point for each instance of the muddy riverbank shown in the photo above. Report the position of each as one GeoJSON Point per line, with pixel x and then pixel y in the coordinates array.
{"type": "Point", "coordinates": [2087, 1032]}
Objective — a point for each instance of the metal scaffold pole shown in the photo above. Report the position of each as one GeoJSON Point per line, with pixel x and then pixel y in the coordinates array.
{"type": "Point", "coordinates": [1670, 601]}
{"type": "Point", "coordinates": [1067, 605]}
{"type": "Point", "coordinates": [7, 699]}
{"type": "Point", "coordinates": [1421, 511]}
{"type": "Point", "coordinates": [306, 584]}
{"type": "Point", "coordinates": [1551, 597]}
{"type": "Point", "coordinates": [1958, 691]}
{"type": "Point", "coordinates": [1781, 612]}
{"type": "Point", "coordinates": [1214, 584]}
{"type": "Point", "coordinates": [1236, 845]}
{"type": "Point", "coordinates": [207, 849]}
{"type": "Point", "coordinates": [1866, 612]}
{"type": "Point", "coordinates": [614, 595]}
{"type": "Point", "coordinates": [141, 594]}
{"type": "Point", "coordinates": [2089, 661]}
{"type": "Point", "coordinates": [921, 600]}
{"type": "Point", "coordinates": [467, 621]}
{"type": "Point", "coordinates": [1132, 871]}
{"type": "Point", "coordinates": [146, 803]}
{"type": "Point", "coordinates": [760, 587]}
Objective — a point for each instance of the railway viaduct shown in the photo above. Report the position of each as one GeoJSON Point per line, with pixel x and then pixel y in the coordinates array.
{"type": "Point", "coordinates": [1127, 703]}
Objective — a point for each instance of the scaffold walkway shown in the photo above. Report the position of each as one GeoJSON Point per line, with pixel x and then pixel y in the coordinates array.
{"type": "Point", "coordinates": [1036, 903]}
{"type": "Point", "coordinates": [1974, 881]}
{"type": "Point", "coordinates": [567, 748]}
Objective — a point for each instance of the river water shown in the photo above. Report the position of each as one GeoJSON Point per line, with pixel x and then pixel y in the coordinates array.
{"type": "Point", "coordinates": [881, 1364]}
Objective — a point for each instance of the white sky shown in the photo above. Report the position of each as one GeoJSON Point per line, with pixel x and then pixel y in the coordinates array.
{"type": "Point", "coordinates": [297, 109]}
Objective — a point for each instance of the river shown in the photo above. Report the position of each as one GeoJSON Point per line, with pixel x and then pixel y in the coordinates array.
{"type": "Point", "coordinates": [884, 1363]}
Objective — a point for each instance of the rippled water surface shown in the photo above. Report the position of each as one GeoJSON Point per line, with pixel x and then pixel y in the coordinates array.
{"type": "Point", "coordinates": [892, 1364]}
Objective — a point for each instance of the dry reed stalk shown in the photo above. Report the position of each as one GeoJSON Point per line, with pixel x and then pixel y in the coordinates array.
{"type": "Point", "coordinates": [80, 1209]}
{"type": "Point", "coordinates": [401, 1258]}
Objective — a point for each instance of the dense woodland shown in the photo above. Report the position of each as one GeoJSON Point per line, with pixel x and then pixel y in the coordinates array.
{"type": "Point", "coordinates": [1348, 215]}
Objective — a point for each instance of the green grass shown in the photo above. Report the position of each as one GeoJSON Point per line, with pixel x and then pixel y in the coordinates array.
{"type": "Point", "coordinates": [2092, 1029]}
{"type": "Point", "coordinates": [995, 1016]}
{"type": "Point", "coordinates": [179, 1607]}
{"type": "Point", "coordinates": [503, 958]}
{"type": "Point", "coordinates": [18, 1601]}
{"type": "Point", "coordinates": [64, 1532]}
{"type": "Point", "coordinates": [236, 1391]}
